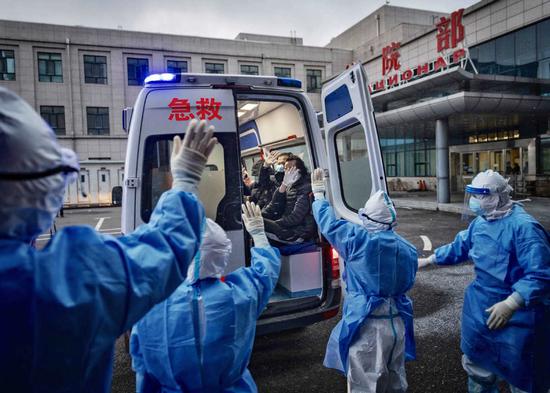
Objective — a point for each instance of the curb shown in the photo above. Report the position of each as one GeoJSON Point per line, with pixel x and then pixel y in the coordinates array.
{"type": "Point", "coordinates": [432, 206]}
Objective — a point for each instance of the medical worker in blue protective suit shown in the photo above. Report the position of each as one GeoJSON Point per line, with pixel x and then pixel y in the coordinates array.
{"type": "Point", "coordinates": [375, 336]}
{"type": "Point", "coordinates": [506, 314]}
{"type": "Point", "coordinates": [200, 339]}
{"type": "Point", "coordinates": [63, 307]}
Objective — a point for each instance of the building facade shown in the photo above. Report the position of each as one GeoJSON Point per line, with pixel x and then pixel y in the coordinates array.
{"type": "Point", "coordinates": [80, 79]}
{"type": "Point", "coordinates": [468, 93]}
{"type": "Point", "coordinates": [454, 94]}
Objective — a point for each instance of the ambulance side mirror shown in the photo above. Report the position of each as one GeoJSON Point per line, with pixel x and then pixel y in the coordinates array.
{"type": "Point", "coordinates": [126, 118]}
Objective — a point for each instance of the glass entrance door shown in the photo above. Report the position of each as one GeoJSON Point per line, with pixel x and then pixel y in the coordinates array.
{"type": "Point", "coordinates": [456, 173]}
{"type": "Point", "coordinates": [513, 164]}
{"type": "Point", "coordinates": [482, 161]}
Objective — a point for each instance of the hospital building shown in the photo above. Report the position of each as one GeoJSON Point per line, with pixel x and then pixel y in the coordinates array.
{"type": "Point", "coordinates": [453, 93]}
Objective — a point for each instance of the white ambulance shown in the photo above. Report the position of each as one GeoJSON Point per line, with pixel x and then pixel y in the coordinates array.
{"type": "Point", "coordinates": [251, 113]}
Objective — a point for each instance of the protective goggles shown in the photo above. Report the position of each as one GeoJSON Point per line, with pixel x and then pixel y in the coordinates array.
{"type": "Point", "coordinates": [390, 224]}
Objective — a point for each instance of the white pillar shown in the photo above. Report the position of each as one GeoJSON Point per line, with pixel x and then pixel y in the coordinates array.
{"type": "Point", "coordinates": [442, 159]}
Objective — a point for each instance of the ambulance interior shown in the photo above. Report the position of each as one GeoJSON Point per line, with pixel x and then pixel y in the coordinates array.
{"type": "Point", "coordinates": [275, 126]}
{"type": "Point", "coordinates": [280, 126]}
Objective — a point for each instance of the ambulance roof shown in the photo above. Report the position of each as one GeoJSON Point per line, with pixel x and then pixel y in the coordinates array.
{"type": "Point", "coordinates": [186, 79]}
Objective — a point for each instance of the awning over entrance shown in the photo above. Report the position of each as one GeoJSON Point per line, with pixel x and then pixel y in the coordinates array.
{"type": "Point", "coordinates": [480, 94]}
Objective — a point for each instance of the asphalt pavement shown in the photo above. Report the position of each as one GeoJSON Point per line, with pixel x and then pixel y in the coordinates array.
{"type": "Point", "coordinates": [292, 361]}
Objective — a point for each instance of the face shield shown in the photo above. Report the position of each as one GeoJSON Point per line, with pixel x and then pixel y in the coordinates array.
{"type": "Point", "coordinates": [474, 201]}
{"type": "Point", "coordinates": [488, 196]}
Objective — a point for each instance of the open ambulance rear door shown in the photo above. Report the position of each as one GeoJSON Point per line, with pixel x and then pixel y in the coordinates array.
{"type": "Point", "coordinates": [354, 158]}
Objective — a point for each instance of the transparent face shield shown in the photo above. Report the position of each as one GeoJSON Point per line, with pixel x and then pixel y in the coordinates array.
{"type": "Point", "coordinates": [474, 199]}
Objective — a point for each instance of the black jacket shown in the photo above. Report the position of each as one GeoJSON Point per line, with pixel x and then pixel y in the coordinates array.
{"type": "Point", "coordinates": [263, 189]}
{"type": "Point", "coordinates": [292, 209]}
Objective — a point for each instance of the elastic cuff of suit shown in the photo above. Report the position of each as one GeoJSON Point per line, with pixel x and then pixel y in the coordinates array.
{"type": "Point", "coordinates": [185, 187]}
{"type": "Point", "coordinates": [517, 300]}
{"type": "Point", "coordinates": [319, 195]}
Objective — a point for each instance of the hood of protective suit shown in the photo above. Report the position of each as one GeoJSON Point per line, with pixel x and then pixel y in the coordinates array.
{"type": "Point", "coordinates": [34, 170]}
{"type": "Point", "coordinates": [213, 255]}
{"type": "Point", "coordinates": [379, 213]}
{"type": "Point", "coordinates": [498, 202]}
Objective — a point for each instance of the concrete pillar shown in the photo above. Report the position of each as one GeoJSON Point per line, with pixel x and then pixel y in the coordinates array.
{"type": "Point", "coordinates": [442, 159]}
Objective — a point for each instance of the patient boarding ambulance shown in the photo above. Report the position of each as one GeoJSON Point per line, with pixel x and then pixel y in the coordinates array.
{"type": "Point", "coordinates": [251, 113]}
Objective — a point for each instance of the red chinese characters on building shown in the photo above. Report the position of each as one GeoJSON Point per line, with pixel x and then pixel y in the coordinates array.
{"type": "Point", "coordinates": [450, 31]}
{"type": "Point", "coordinates": [207, 109]}
{"type": "Point", "coordinates": [390, 58]}
{"type": "Point", "coordinates": [181, 110]}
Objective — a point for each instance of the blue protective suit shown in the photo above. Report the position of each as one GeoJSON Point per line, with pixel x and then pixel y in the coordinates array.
{"type": "Point", "coordinates": [378, 266]}
{"type": "Point", "coordinates": [64, 306]}
{"type": "Point", "coordinates": [511, 254]}
{"type": "Point", "coordinates": [200, 339]}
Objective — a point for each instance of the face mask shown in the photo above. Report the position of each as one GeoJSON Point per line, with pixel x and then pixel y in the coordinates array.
{"type": "Point", "coordinates": [279, 168]}
{"type": "Point", "coordinates": [475, 206]}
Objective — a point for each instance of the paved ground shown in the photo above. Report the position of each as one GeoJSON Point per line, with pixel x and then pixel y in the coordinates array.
{"type": "Point", "coordinates": [292, 361]}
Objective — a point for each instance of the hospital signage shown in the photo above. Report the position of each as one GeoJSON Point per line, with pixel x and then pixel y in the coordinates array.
{"type": "Point", "coordinates": [449, 38]}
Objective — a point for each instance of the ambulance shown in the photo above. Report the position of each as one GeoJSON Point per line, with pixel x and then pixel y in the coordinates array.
{"type": "Point", "coordinates": [251, 113]}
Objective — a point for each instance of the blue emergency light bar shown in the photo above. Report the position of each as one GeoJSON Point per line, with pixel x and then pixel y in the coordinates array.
{"type": "Point", "coordinates": [289, 82]}
{"type": "Point", "coordinates": [165, 77]}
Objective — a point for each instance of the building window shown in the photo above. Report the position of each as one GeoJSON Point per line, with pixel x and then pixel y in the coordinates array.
{"type": "Point", "coordinates": [313, 81]}
{"type": "Point", "coordinates": [504, 55]}
{"type": "Point", "coordinates": [7, 65]}
{"type": "Point", "coordinates": [50, 68]}
{"type": "Point", "coordinates": [247, 69]}
{"type": "Point", "coordinates": [282, 72]}
{"type": "Point", "coordinates": [214, 68]}
{"type": "Point", "coordinates": [95, 69]}
{"type": "Point", "coordinates": [176, 66]}
{"type": "Point", "coordinates": [524, 52]}
{"type": "Point", "coordinates": [408, 151]}
{"type": "Point", "coordinates": [98, 120]}
{"type": "Point", "coordinates": [55, 117]}
{"type": "Point", "coordinates": [138, 69]}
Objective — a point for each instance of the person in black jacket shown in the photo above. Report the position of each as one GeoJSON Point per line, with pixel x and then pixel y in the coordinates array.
{"type": "Point", "coordinates": [263, 188]}
{"type": "Point", "coordinates": [288, 218]}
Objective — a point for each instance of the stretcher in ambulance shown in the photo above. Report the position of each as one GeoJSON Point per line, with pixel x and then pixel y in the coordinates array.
{"type": "Point", "coordinates": [253, 113]}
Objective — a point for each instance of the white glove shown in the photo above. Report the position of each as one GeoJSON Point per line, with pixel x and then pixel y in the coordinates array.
{"type": "Point", "coordinates": [189, 158]}
{"type": "Point", "coordinates": [423, 262]}
{"type": "Point", "coordinates": [501, 312]}
{"type": "Point", "coordinates": [318, 183]}
{"type": "Point", "coordinates": [291, 176]}
{"type": "Point", "coordinates": [254, 224]}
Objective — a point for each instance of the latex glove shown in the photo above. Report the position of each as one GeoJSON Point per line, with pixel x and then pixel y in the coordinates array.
{"type": "Point", "coordinates": [270, 158]}
{"type": "Point", "coordinates": [291, 176]}
{"type": "Point", "coordinates": [254, 224]}
{"type": "Point", "coordinates": [318, 183]}
{"type": "Point", "coordinates": [423, 262]}
{"type": "Point", "coordinates": [501, 312]}
{"type": "Point", "coordinates": [189, 157]}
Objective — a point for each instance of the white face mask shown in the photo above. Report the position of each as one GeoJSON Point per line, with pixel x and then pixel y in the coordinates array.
{"type": "Point", "coordinates": [279, 168]}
